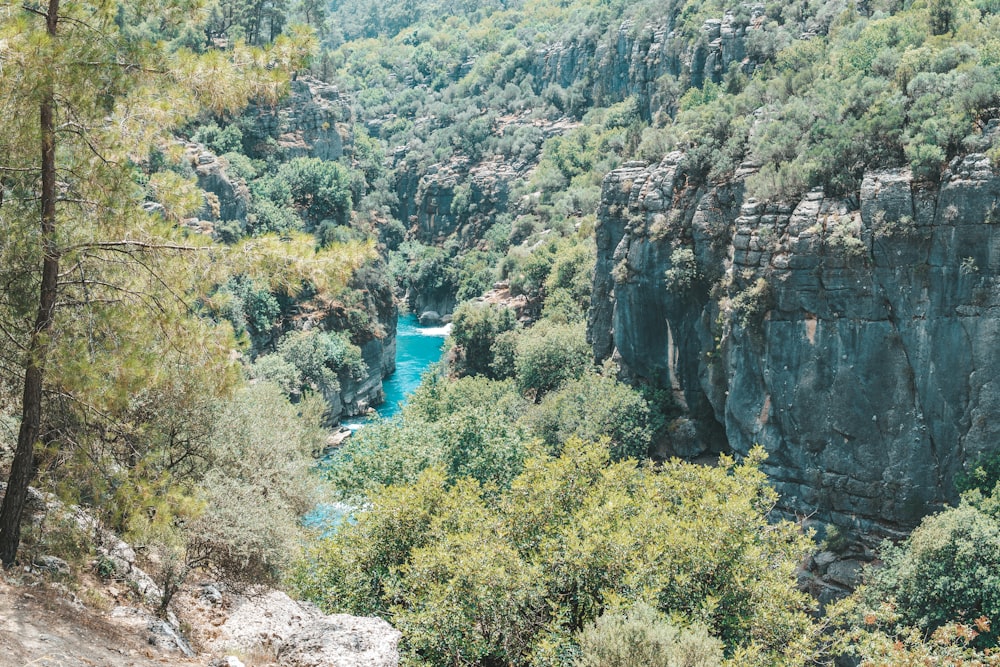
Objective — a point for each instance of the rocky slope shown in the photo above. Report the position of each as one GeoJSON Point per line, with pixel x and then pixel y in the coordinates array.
{"type": "Point", "coordinates": [101, 612]}
{"type": "Point", "coordinates": [853, 338]}
{"type": "Point", "coordinates": [313, 121]}
{"type": "Point", "coordinates": [459, 199]}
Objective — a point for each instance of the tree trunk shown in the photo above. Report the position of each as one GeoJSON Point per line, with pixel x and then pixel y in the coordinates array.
{"type": "Point", "coordinates": [23, 467]}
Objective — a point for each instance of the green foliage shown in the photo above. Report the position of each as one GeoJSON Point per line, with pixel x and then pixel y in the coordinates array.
{"type": "Point", "coordinates": [872, 635]}
{"type": "Point", "coordinates": [748, 306]}
{"type": "Point", "coordinates": [642, 637]}
{"type": "Point", "coordinates": [256, 21]}
{"type": "Point", "coordinates": [550, 355]}
{"type": "Point", "coordinates": [250, 309]}
{"type": "Point", "coordinates": [267, 217]}
{"type": "Point", "coordinates": [467, 427]}
{"type": "Point", "coordinates": [590, 408]}
{"type": "Point", "coordinates": [125, 334]}
{"type": "Point", "coordinates": [422, 269]}
{"type": "Point", "coordinates": [260, 458]}
{"type": "Point", "coordinates": [221, 140]}
{"type": "Point", "coordinates": [501, 578]}
{"type": "Point", "coordinates": [946, 570]}
{"type": "Point", "coordinates": [317, 189]}
{"type": "Point", "coordinates": [683, 271]}
{"type": "Point", "coordinates": [319, 357]}
{"type": "Point", "coordinates": [475, 328]}
{"type": "Point", "coordinates": [983, 477]}
{"type": "Point", "coordinates": [572, 270]}
{"type": "Point", "coordinates": [358, 567]}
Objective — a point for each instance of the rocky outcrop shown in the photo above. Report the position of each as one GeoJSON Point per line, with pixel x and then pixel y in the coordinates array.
{"type": "Point", "coordinates": [226, 196]}
{"type": "Point", "coordinates": [853, 338]}
{"type": "Point", "coordinates": [312, 121]}
{"type": "Point", "coordinates": [299, 635]}
{"type": "Point", "coordinates": [372, 321]}
{"type": "Point", "coordinates": [634, 59]}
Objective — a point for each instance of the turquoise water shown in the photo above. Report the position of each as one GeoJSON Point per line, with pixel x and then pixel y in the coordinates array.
{"type": "Point", "coordinates": [417, 349]}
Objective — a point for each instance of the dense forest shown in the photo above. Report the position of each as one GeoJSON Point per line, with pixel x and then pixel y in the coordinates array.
{"type": "Point", "coordinates": [213, 212]}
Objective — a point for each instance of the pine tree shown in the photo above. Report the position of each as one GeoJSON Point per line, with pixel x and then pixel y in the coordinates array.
{"type": "Point", "coordinates": [83, 103]}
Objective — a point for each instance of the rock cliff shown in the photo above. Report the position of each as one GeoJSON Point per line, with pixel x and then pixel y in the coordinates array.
{"type": "Point", "coordinates": [375, 304]}
{"type": "Point", "coordinates": [636, 58]}
{"type": "Point", "coordinates": [310, 122]}
{"type": "Point", "coordinates": [853, 338]}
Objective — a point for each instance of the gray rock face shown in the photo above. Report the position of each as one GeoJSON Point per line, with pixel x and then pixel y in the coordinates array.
{"type": "Point", "coordinates": [311, 122]}
{"type": "Point", "coordinates": [634, 59]}
{"type": "Point", "coordinates": [377, 343]}
{"type": "Point", "coordinates": [854, 339]}
{"type": "Point", "coordinates": [429, 317]}
{"type": "Point", "coordinates": [164, 636]}
{"type": "Point", "coordinates": [454, 199]}
{"type": "Point", "coordinates": [227, 197]}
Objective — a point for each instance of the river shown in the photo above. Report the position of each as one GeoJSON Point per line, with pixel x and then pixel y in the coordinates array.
{"type": "Point", "coordinates": [417, 349]}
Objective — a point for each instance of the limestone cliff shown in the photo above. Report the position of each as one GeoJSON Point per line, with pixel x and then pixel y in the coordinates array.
{"type": "Point", "coordinates": [854, 338]}
{"type": "Point", "coordinates": [307, 122]}
{"type": "Point", "coordinates": [636, 59]}
{"type": "Point", "coordinates": [459, 199]}
{"type": "Point", "coordinates": [310, 122]}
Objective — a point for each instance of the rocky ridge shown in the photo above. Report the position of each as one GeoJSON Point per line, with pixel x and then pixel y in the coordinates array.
{"type": "Point", "coordinates": [853, 338]}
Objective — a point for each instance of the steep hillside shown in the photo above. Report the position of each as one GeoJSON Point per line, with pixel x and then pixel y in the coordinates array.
{"type": "Point", "coordinates": [809, 269]}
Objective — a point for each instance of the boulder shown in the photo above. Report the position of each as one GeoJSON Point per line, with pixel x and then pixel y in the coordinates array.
{"type": "Point", "coordinates": [164, 636]}
{"type": "Point", "coordinates": [342, 641]}
{"type": "Point", "coordinates": [51, 564]}
{"type": "Point", "coordinates": [302, 636]}
{"type": "Point", "coordinates": [429, 318]}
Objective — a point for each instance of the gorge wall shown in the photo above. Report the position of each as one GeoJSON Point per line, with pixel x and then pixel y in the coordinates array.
{"type": "Point", "coordinates": [312, 121]}
{"type": "Point", "coordinates": [855, 339]}
{"type": "Point", "coordinates": [594, 69]}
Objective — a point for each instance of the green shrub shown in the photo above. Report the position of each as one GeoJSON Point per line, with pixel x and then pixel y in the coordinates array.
{"type": "Point", "coordinates": [508, 576]}
{"type": "Point", "coordinates": [251, 308]}
{"type": "Point", "coordinates": [591, 408]}
{"type": "Point", "coordinates": [549, 354]}
{"type": "Point", "coordinates": [983, 476]}
{"type": "Point", "coordinates": [947, 570]}
{"type": "Point", "coordinates": [319, 357]}
{"type": "Point", "coordinates": [683, 271]}
{"type": "Point", "coordinates": [475, 328]}
{"type": "Point", "coordinates": [221, 140]}
{"type": "Point", "coordinates": [642, 637]}
{"type": "Point", "coordinates": [467, 426]}
{"type": "Point", "coordinates": [319, 189]}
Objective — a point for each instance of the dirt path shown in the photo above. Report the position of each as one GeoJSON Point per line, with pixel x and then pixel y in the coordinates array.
{"type": "Point", "coordinates": [41, 626]}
